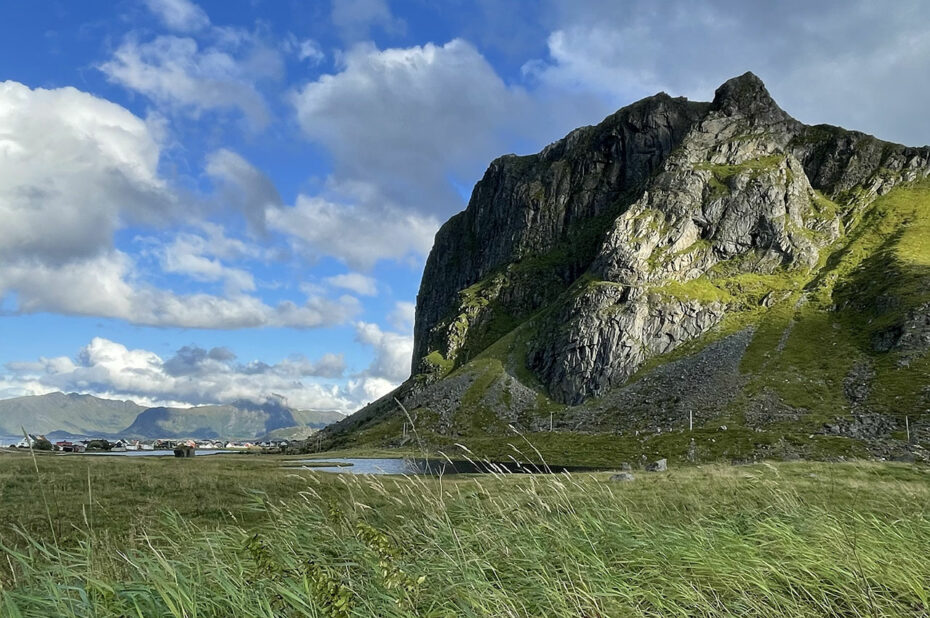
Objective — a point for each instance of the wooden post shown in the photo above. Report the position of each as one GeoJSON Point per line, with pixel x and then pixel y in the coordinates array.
{"type": "Point", "coordinates": [690, 420]}
{"type": "Point", "coordinates": [550, 420]}
{"type": "Point", "coordinates": [907, 428]}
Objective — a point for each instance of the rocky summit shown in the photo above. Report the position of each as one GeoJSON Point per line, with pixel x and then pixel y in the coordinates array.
{"type": "Point", "coordinates": [688, 279]}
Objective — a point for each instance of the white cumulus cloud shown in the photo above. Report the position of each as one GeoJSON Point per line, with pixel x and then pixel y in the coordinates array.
{"type": "Point", "coordinates": [390, 366]}
{"type": "Point", "coordinates": [182, 15]}
{"type": "Point", "coordinates": [106, 286]}
{"type": "Point", "coordinates": [847, 62]}
{"type": "Point", "coordinates": [404, 120]}
{"type": "Point", "coordinates": [402, 316]}
{"type": "Point", "coordinates": [355, 18]}
{"type": "Point", "coordinates": [359, 235]}
{"type": "Point", "coordinates": [182, 76]}
{"type": "Point", "coordinates": [354, 282]}
{"type": "Point", "coordinates": [402, 126]}
{"type": "Point", "coordinates": [306, 50]}
{"type": "Point", "coordinates": [76, 169]}
{"type": "Point", "coordinates": [192, 376]}
{"type": "Point", "coordinates": [73, 169]}
{"type": "Point", "coordinates": [243, 186]}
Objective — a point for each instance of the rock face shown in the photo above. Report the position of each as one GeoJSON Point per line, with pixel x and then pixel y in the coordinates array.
{"type": "Point", "coordinates": [533, 224]}
{"type": "Point", "coordinates": [612, 231]}
{"type": "Point", "coordinates": [680, 267]}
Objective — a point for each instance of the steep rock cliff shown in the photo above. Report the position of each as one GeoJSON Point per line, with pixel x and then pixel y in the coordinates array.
{"type": "Point", "coordinates": [533, 226]}
{"type": "Point", "coordinates": [662, 193]}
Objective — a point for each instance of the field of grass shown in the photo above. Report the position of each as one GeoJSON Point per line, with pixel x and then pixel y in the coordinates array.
{"type": "Point", "coordinates": [241, 536]}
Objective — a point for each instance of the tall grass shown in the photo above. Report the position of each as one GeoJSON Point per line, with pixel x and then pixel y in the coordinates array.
{"type": "Point", "coordinates": [785, 540]}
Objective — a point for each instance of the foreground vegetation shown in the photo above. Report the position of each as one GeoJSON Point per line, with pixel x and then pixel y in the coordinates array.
{"type": "Point", "coordinates": [244, 536]}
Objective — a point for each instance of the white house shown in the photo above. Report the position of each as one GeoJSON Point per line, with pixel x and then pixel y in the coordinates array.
{"type": "Point", "coordinates": [29, 441]}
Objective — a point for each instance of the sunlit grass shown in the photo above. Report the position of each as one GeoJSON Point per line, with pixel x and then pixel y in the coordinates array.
{"type": "Point", "coordinates": [765, 540]}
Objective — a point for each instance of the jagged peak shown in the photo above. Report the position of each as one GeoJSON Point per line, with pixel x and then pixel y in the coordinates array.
{"type": "Point", "coordinates": [745, 94]}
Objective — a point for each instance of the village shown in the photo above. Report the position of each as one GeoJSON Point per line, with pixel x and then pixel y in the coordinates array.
{"type": "Point", "coordinates": [123, 445]}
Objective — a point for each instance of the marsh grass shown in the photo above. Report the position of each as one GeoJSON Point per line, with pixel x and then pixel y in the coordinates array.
{"type": "Point", "coordinates": [764, 540]}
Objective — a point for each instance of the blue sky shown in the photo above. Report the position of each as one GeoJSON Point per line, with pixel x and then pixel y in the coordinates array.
{"type": "Point", "coordinates": [217, 200]}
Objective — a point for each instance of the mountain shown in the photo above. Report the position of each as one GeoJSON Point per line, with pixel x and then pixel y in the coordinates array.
{"type": "Point", "coordinates": [717, 266]}
{"type": "Point", "coordinates": [316, 419]}
{"type": "Point", "coordinates": [75, 414]}
{"type": "Point", "coordinates": [71, 413]}
{"type": "Point", "coordinates": [242, 419]}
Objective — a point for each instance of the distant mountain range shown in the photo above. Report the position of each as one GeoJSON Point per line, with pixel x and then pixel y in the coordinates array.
{"type": "Point", "coordinates": [74, 414]}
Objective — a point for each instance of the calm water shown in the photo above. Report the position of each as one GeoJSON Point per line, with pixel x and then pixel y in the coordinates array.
{"type": "Point", "coordinates": [421, 466]}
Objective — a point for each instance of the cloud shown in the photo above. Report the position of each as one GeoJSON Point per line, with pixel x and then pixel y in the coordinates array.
{"type": "Point", "coordinates": [192, 376]}
{"type": "Point", "coordinates": [390, 366]}
{"type": "Point", "coordinates": [306, 50]}
{"type": "Point", "coordinates": [354, 282]}
{"type": "Point", "coordinates": [196, 361]}
{"type": "Point", "coordinates": [199, 258]}
{"type": "Point", "coordinates": [86, 164]}
{"type": "Point", "coordinates": [405, 128]}
{"type": "Point", "coordinates": [393, 351]}
{"type": "Point", "coordinates": [105, 286]}
{"type": "Point", "coordinates": [243, 186]}
{"type": "Point", "coordinates": [402, 316]}
{"type": "Point", "coordinates": [181, 15]}
{"type": "Point", "coordinates": [91, 167]}
{"type": "Point", "coordinates": [180, 76]}
{"type": "Point", "coordinates": [358, 234]}
{"type": "Point", "coordinates": [399, 122]}
{"type": "Point", "coordinates": [355, 18]}
{"type": "Point", "coordinates": [192, 360]}
{"type": "Point", "coordinates": [852, 63]}
{"type": "Point", "coordinates": [585, 58]}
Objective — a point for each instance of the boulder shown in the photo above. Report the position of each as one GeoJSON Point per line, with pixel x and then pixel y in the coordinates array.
{"type": "Point", "coordinates": [622, 477]}
{"type": "Point", "coordinates": [657, 466]}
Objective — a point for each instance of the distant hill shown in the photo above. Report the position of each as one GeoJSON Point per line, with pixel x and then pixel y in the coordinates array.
{"type": "Point", "coordinates": [242, 419]}
{"type": "Point", "coordinates": [290, 433]}
{"type": "Point", "coordinates": [58, 413]}
{"type": "Point", "coordinates": [310, 421]}
{"type": "Point", "coordinates": [71, 413]}
{"type": "Point", "coordinates": [316, 419]}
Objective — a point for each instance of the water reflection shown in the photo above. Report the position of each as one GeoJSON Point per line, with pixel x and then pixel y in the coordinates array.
{"type": "Point", "coordinates": [417, 466]}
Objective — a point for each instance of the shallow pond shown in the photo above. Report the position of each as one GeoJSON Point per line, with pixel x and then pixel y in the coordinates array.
{"type": "Point", "coordinates": [413, 466]}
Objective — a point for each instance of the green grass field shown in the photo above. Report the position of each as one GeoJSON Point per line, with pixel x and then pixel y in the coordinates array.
{"type": "Point", "coordinates": [241, 536]}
